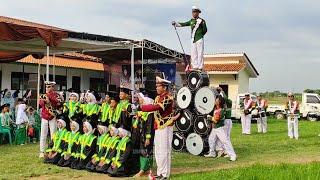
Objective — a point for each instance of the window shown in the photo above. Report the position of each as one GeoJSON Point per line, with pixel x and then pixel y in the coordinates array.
{"type": "Point", "coordinates": [76, 83]}
{"type": "Point", "coordinates": [98, 84]}
{"type": "Point", "coordinates": [313, 99]}
{"type": "Point", "coordinates": [61, 82]}
{"type": "Point", "coordinates": [19, 79]}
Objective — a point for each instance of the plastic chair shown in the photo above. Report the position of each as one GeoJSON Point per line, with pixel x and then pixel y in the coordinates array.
{"type": "Point", "coordinates": [5, 132]}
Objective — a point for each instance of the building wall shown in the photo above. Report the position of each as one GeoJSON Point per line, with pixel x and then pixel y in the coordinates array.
{"type": "Point", "coordinates": [85, 75]}
{"type": "Point", "coordinates": [243, 81]}
{"type": "Point", "coordinates": [226, 79]}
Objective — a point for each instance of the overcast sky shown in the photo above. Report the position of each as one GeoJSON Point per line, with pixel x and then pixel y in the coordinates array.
{"type": "Point", "coordinates": [281, 37]}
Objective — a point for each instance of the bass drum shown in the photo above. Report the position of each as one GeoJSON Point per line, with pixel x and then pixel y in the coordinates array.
{"type": "Point", "coordinates": [178, 142]}
{"type": "Point", "coordinates": [202, 125]}
{"type": "Point", "coordinates": [196, 145]}
{"type": "Point", "coordinates": [184, 98]}
{"type": "Point", "coordinates": [204, 100]}
{"type": "Point", "coordinates": [184, 124]}
{"type": "Point", "coordinates": [197, 79]}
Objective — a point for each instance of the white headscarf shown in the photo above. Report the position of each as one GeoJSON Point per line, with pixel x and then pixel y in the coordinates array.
{"type": "Point", "coordinates": [21, 114]}
{"type": "Point", "coordinates": [88, 126]}
{"type": "Point", "coordinates": [103, 128]}
{"type": "Point", "coordinates": [74, 94]}
{"type": "Point", "coordinates": [124, 132]}
{"type": "Point", "coordinates": [62, 122]}
{"type": "Point", "coordinates": [76, 125]}
{"type": "Point", "coordinates": [92, 98]}
{"type": "Point", "coordinates": [114, 129]}
{"type": "Point", "coordinates": [146, 100]}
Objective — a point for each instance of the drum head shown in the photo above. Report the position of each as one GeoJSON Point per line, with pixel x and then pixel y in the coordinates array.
{"type": "Point", "coordinates": [185, 122]}
{"type": "Point", "coordinates": [178, 141]}
{"type": "Point", "coordinates": [202, 125]}
{"type": "Point", "coordinates": [194, 144]}
{"type": "Point", "coordinates": [184, 97]}
{"type": "Point", "coordinates": [197, 79]}
{"type": "Point", "coordinates": [204, 100]}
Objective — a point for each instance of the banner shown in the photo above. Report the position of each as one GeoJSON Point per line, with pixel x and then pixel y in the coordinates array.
{"type": "Point", "coordinates": [150, 71]}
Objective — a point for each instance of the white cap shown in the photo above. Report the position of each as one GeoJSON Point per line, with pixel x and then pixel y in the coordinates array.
{"type": "Point", "coordinates": [50, 83]}
{"type": "Point", "coordinates": [195, 8]}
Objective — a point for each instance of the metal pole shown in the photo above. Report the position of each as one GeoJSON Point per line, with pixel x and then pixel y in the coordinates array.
{"type": "Point", "coordinates": [22, 80]}
{"type": "Point", "coordinates": [38, 85]}
{"type": "Point", "coordinates": [53, 69]}
{"type": "Point", "coordinates": [132, 71]}
{"type": "Point", "coordinates": [47, 75]}
{"type": "Point", "coordinates": [142, 61]}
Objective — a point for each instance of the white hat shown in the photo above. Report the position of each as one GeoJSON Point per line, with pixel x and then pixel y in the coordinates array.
{"type": "Point", "coordinates": [290, 94]}
{"type": "Point", "coordinates": [247, 94]}
{"type": "Point", "coordinates": [159, 80]}
{"type": "Point", "coordinates": [195, 8]}
{"type": "Point", "coordinates": [50, 83]}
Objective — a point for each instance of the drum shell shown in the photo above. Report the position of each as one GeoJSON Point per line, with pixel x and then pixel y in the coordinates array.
{"type": "Point", "coordinates": [202, 125]}
{"type": "Point", "coordinates": [197, 145]}
{"type": "Point", "coordinates": [185, 123]}
{"type": "Point", "coordinates": [197, 79]}
{"type": "Point", "coordinates": [204, 100]}
{"type": "Point", "coordinates": [178, 141]}
{"type": "Point", "coordinates": [183, 93]}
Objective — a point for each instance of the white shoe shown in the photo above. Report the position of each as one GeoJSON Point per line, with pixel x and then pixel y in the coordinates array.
{"type": "Point", "coordinates": [41, 155]}
{"type": "Point", "coordinates": [220, 153]}
{"type": "Point", "coordinates": [233, 158]}
{"type": "Point", "coordinates": [210, 155]}
{"type": "Point", "coordinates": [226, 156]}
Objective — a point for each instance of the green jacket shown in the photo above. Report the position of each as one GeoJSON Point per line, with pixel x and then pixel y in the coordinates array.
{"type": "Point", "coordinates": [220, 123]}
{"type": "Point", "coordinates": [198, 28]}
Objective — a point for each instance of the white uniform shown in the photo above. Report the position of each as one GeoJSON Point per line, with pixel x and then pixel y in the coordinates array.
{"type": "Point", "coordinates": [218, 135]}
{"type": "Point", "coordinates": [162, 150]}
{"type": "Point", "coordinates": [246, 119]}
{"type": "Point", "coordinates": [45, 125]}
{"type": "Point", "coordinates": [293, 131]}
{"type": "Point", "coordinates": [262, 121]}
{"type": "Point", "coordinates": [197, 54]}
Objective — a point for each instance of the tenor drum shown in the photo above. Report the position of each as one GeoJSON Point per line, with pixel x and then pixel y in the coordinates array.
{"type": "Point", "coordinates": [197, 79]}
{"type": "Point", "coordinates": [184, 98]}
{"type": "Point", "coordinates": [202, 125]}
{"type": "Point", "coordinates": [204, 100]}
{"type": "Point", "coordinates": [196, 145]}
{"type": "Point", "coordinates": [184, 124]}
{"type": "Point", "coordinates": [178, 141]}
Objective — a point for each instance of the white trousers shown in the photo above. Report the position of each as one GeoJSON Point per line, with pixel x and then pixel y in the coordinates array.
{"type": "Point", "coordinates": [162, 145]}
{"type": "Point", "coordinates": [227, 128]}
{"type": "Point", "coordinates": [45, 125]}
{"type": "Point", "coordinates": [246, 124]}
{"type": "Point", "coordinates": [262, 124]}
{"type": "Point", "coordinates": [220, 134]}
{"type": "Point", "coordinates": [293, 127]}
{"type": "Point", "coordinates": [197, 54]}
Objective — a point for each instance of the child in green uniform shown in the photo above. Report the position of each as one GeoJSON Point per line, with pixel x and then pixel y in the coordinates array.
{"type": "Point", "coordinates": [72, 107]}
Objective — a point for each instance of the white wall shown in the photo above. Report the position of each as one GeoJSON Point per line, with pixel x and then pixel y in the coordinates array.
{"type": "Point", "coordinates": [243, 81]}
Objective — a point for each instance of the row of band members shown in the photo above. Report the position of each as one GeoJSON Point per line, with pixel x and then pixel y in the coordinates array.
{"type": "Point", "coordinates": [103, 138]}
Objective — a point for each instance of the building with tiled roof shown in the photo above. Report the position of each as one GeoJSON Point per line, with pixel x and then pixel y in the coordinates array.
{"type": "Point", "coordinates": [230, 71]}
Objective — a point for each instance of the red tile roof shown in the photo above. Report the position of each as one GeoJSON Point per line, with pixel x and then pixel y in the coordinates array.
{"type": "Point", "coordinates": [232, 67]}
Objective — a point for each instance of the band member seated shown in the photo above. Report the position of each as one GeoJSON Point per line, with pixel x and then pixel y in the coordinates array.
{"type": "Point", "coordinates": [58, 143]}
{"type": "Point", "coordinates": [91, 110]}
{"type": "Point", "coordinates": [87, 146]}
{"type": "Point", "coordinates": [72, 143]}
{"type": "Point", "coordinates": [122, 164]}
{"type": "Point", "coordinates": [105, 108]}
{"type": "Point", "coordinates": [218, 131]}
{"type": "Point", "coordinates": [101, 146]}
{"type": "Point", "coordinates": [146, 131]}
{"type": "Point", "coordinates": [111, 150]}
{"type": "Point", "coordinates": [126, 120]}
{"type": "Point", "coordinates": [5, 118]}
{"type": "Point", "coordinates": [72, 107]}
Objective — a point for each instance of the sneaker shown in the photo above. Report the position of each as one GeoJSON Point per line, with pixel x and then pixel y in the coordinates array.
{"type": "Point", "coordinates": [233, 158]}
{"type": "Point", "coordinates": [158, 177]}
{"type": "Point", "coordinates": [226, 156]}
{"type": "Point", "coordinates": [220, 153]}
{"type": "Point", "coordinates": [41, 155]}
{"type": "Point", "coordinates": [210, 155]}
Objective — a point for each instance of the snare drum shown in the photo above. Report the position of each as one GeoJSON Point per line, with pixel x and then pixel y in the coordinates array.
{"type": "Point", "coordinates": [197, 79]}
{"type": "Point", "coordinates": [196, 145]}
{"type": "Point", "coordinates": [184, 124]}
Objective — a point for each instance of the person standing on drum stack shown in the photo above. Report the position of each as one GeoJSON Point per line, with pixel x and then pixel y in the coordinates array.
{"type": "Point", "coordinates": [164, 120]}
{"type": "Point", "coordinates": [246, 116]}
{"type": "Point", "coordinates": [262, 105]}
{"type": "Point", "coordinates": [198, 30]}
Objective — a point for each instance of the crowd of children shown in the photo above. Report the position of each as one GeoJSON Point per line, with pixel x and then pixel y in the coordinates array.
{"type": "Point", "coordinates": [107, 136]}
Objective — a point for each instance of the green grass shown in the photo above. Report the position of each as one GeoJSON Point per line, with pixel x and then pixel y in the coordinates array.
{"type": "Point", "coordinates": [260, 156]}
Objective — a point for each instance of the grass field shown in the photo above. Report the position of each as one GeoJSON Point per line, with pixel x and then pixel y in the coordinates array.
{"type": "Point", "coordinates": [260, 156]}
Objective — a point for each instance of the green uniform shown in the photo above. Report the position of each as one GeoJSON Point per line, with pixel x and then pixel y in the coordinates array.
{"type": "Point", "coordinates": [198, 28]}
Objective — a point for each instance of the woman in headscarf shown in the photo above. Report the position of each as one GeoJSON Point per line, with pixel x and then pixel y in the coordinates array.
{"type": "Point", "coordinates": [21, 121]}
{"type": "Point", "coordinates": [7, 99]}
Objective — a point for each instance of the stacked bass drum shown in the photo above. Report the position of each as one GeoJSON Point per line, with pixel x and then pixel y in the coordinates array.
{"type": "Point", "coordinates": [195, 101]}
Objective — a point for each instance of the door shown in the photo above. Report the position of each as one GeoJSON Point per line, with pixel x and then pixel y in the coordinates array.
{"type": "Point", "coordinates": [225, 89]}
{"type": "Point", "coordinates": [76, 83]}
